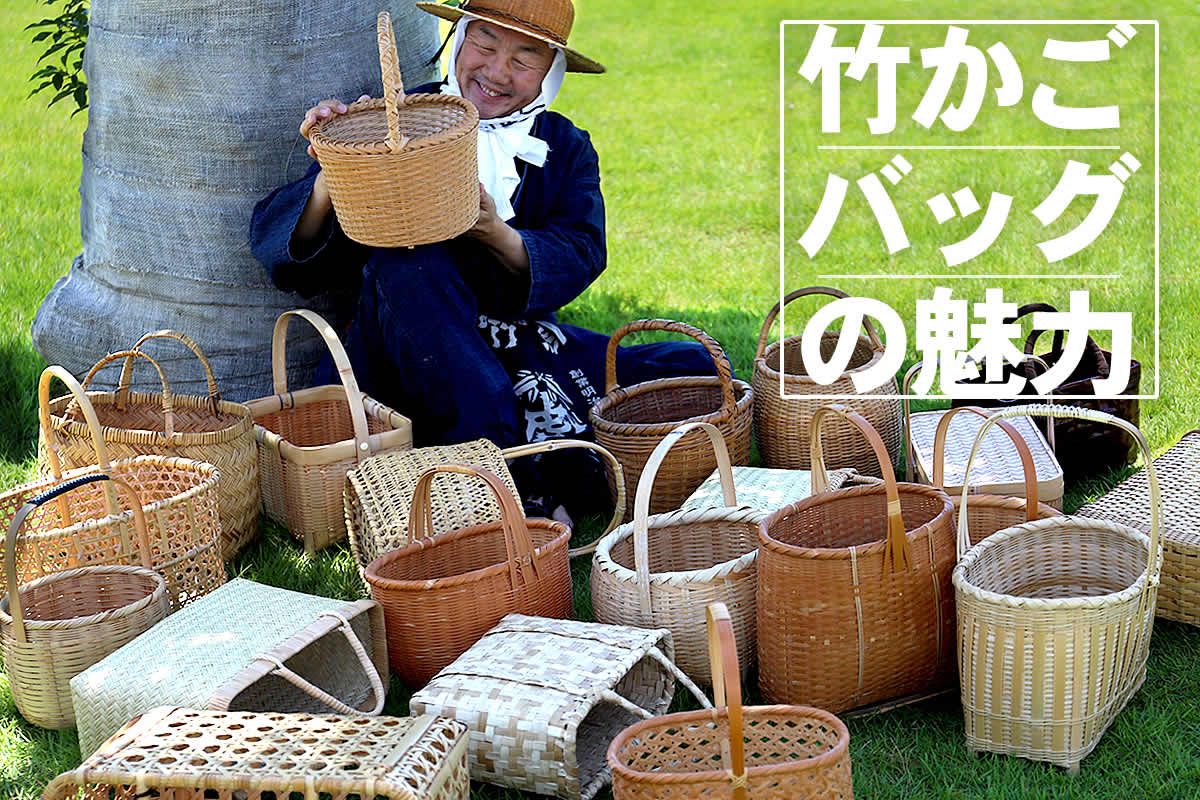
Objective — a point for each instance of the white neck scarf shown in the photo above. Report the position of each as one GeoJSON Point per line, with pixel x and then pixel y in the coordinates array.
{"type": "Point", "coordinates": [503, 140]}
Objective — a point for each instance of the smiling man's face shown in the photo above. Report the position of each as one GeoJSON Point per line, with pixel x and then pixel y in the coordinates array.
{"type": "Point", "coordinates": [500, 70]}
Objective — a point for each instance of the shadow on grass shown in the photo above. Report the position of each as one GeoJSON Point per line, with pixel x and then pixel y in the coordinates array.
{"type": "Point", "coordinates": [20, 366]}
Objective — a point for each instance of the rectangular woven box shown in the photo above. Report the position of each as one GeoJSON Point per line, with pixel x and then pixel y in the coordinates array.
{"type": "Point", "coordinates": [762, 488]}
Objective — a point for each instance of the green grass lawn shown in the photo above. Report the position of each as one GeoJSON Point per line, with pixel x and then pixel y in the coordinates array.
{"type": "Point", "coordinates": [687, 126]}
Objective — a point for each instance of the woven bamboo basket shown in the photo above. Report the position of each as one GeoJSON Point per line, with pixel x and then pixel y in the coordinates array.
{"type": "Point", "coordinates": [632, 421]}
{"type": "Point", "coordinates": [308, 440]}
{"type": "Point", "coordinates": [781, 423]}
{"type": "Point", "coordinates": [89, 527]}
{"type": "Point", "coordinates": [661, 571]}
{"type": "Point", "coordinates": [1054, 622]}
{"type": "Point", "coordinates": [544, 697]}
{"type": "Point", "coordinates": [188, 754]}
{"type": "Point", "coordinates": [1178, 470]}
{"type": "Point", "coordinates": [440, 593]}
{"type": "Point", "coordinates": [401, 170]}
{"type": "Point", "coordinates": [855, 604]}
{"type": "Point", "coordinates": [59, 625]}
{"type": "Point", "coordinates": [206, 429]}
{"type": "Point", "coordinates": [379, 492]}
{"type": "Point", "coordinates": [782, 752]}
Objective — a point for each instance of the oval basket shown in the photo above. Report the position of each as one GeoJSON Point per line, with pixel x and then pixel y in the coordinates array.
{"type": "Point", "coordinates": [401, 169]}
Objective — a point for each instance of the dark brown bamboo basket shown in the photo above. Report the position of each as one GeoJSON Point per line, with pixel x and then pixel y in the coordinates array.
{"type": "Point", "coordinates": [402, 169]}
{"type": "Point", "coordinates": [441, 593]}
{"type": "Point", "coordinates": [631, 421]}
{"type": "Point", "coordinates": [855, 604]}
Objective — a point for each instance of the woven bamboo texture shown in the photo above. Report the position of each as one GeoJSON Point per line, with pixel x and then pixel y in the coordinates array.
{"type": "Point", "coordinates": [543, 698]}
{"type": "Point", "coordinates": [1054, 622]}
{"type": "Point", "coordinates": [1178, 472]}
{"type": "Point", "coordinates": [308, 440]}
{"type": "Point", "coordinates": [761, 488]}
{"type": "Point", "coordinates": [661, 571]}
{"type": "Point", "coordinates": [781, 424]}
{"type": "Point", "coordinates": [203, 428]}
{"type": "Point", "coordinates": [379, 492]}
{"type": "Point", "coordinates": [440, 593]}
{"type": "Point", "coordinates": [401, 170]}
{"type": "Point", "coordinates": [55, 627]}
{"type": "Point", "coordinates": [90, 527]}
{"type": "Point", "coordinates": [187, 754]}
{"type": "Point", "coordinates": [855, 604]}
{"type": "Point", "coordinates": [631, 421]}
{"type": "Point", "coordinates": [245, 647]}
{"type": "Point", "coordinates": [766, 752]}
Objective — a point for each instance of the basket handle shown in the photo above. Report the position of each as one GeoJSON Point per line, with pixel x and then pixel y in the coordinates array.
{"type": "Point", "coordinates": [724, 371]}
{"type": "Point", "coordinates": [641, 501]}
{"type": "Point", "coordinates": [614, 469]}
{"type": "Point", "coordinates": [10, 540]}
{"type": "Point", "coordinates": [1027, 466]}
{"type": "Point", "coordinates": [727, 691]}
{"type": "Point", "coordinates": [52, 445]}
{"type": "Point", "coordinates": [876, 342]}
{"type": "Point", "coordinates": [896, 555]}
{"type": "Point", "coordinates": [214, 396]}
{"type": "Point", "coordinates": [666, 663]}
{"type": "Point", "coordinates": [517, 544]}
{"type": "Point", "coordinates": [393, 85]}
{"type": "Point", "coordinates": [168, 402]}
{"type": "Point", "coordinates": [354, 397]}
{"type": "Point", "coordinates": [1096, 351]}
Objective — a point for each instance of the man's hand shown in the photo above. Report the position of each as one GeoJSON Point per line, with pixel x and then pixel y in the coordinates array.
{"type": "Point", "coordinates": [500, 237]}
{"type": "Point", "coordinates": [323, 110]}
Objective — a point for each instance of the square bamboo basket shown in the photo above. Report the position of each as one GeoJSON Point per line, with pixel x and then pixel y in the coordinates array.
{"type": "Point", "coordinates": [762, 488]}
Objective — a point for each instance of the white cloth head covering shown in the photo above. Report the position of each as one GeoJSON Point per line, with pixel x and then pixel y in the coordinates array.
{"type": "Point", "coordinates": [503, 140]}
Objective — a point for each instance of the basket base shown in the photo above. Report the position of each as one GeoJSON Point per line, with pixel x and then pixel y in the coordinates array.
{"type": "Point", "coordinates": [896, 702]}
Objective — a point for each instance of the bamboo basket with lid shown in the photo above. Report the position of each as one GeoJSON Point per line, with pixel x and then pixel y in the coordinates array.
{"type": "Point", "coordinates": [402, 169]}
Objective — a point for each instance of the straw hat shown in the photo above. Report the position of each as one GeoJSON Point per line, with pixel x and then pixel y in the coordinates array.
{"type": "Point", "coordinates": [547, 20]}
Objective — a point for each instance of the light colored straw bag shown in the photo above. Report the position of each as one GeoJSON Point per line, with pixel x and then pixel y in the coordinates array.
{"type": "Point", "coordinates": [544, 697]}
{"type": "Point", "coordinates": [59, 625]}
{"type": "Point", "coordinates": [440, 593]}
{"type": "Point", "coordinates": [782, 752]}
{"type": "Point", "coordinates": [632, 421]}
{"type": "Point", "coordinates": [89, 526]}
{"type": "Point", "coordinates": [1054, 622]}
{"type": "Point", "coordinates": [309, 439]}
{"type": "Point", "coordinates": [1178, 470]}
{"type": "Point", "coordinates": [379, 492]}
{"type": "Point", "coordinates": [187, 754]}
{"type": "Point", "coordinates": [855, 605]}
{"type": "Point", "coordinates": [401, 170]}
{"type": "Point", "coordinates": [206, 429]}
{"type": "Point", "coordinates": [661, 571]}
{"type": "Point", "coordinates": [769, 489]}
{"type": "Point", "coordinates": [781, 423]}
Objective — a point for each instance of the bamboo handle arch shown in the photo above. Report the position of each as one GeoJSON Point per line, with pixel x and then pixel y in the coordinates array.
{"type": "Point", "coordinates": [724, 371]}
{"type": "Point", "coordinates": [214, 395]}
{"type": "Point", "coordinates": [868, 326]}
{"type": "Point", "coordinates": [1027, 465]}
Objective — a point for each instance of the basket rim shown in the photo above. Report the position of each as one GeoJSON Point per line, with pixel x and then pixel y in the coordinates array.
{"type": "Point", "coordinates": [730, 568]}
{"type": "Point", "coordinates": [158, 591]}
{"type": "Point", "coordinates": [1048, 470]}
{"type": "Point", "coordinates": [723, 776]}
{"type": "Point", "coordinates": [112, 433]}
{"type": "Point", "coordinates": [623, 393]}
{"type": "Point", "coordinates": [322, 141]}
{"type": "Point", "coordinates": [762, 364]}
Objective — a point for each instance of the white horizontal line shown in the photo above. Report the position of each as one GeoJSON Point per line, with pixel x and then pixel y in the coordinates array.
{"type": "Point", "coordinates": [892, 276]}
{"type": "Point", "coordinates": [967, 147]}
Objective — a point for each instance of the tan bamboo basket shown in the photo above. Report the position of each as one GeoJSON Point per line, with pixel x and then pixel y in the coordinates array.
{"type": "Point", "coordinates": [401, 169]}
{"type": "Point", "coordinates": [855, 605]}
{"type": "Point", "coordinates": [440, 593]}
{"type": "Point", "coordinates": [308, 440]}
{"type": "Point", "coordinates": [661, 571]}
{"type": "Point", "coordinates": [57, 626]}
{"type": "Point", "coordinates": [781, 423]}
{"type": "Point", "coordinates": [781, 752]}
{"type": "Point", "coordinates": [379, 492]}
{"type": "Point", "coordinates": [188, 754]}
{"type": "Point", "coordinates": [632, 421]}
{"type": "Point", "coordinates": [543, 698]}
{"type": "Point", "coordinates": [1054, 622]}
{"type": "Point", "coordinates": [206, 429]}
{"type": "Point", "coordinates": [89, 527]}
{"type": "Point", "coordinates": [1178, 470]}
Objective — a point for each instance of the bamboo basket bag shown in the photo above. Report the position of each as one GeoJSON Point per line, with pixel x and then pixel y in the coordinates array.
{"type": "Point", "coordinates": [781, 423]}
{"type": "Point", "coordinates": [309, 439]}
{"type": "Point", "coordinates": [661, 571]}
{"type": "Point", "coordinates": [441, 592]}
{"type": "Point", "coordinates": [632, 421]}
{"type": "Point", "coordinates": [206, 429]}
{"type": "Point", "coordinates": [1054, 622]}
{"type": "Point", "coordinates": [88, 527]}
{"type": "Point", "coordinates": [401, 170]}
{"type": "Point", "coordinates": [57, 626]}
{"type": "Point", "coordinates": [781, 752]}
{"type": "Point", "coordinates": [855, 604]}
